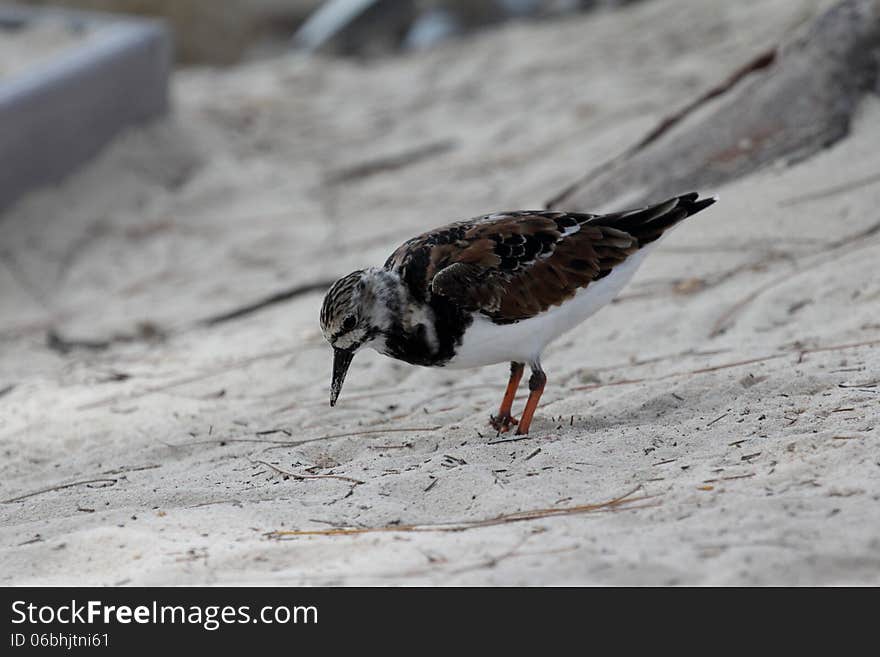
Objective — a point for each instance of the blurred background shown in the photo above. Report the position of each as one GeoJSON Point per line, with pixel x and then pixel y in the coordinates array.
{"type": "Point", "coordinates": [180, 181]}
{"type": "Point", "coordinates": [229, 31]}
{"type": "Point", "coordinates": [270, 126]}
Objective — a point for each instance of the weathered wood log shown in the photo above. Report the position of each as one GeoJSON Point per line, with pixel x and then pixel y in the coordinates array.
{"type": "Point", "coordinates": [785, 105]}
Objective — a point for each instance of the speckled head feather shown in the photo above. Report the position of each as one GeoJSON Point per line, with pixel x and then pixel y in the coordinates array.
{"type": "Point", "coordinates": [358, 311]}
{"type": "Point", "coordinates": [340, 310]}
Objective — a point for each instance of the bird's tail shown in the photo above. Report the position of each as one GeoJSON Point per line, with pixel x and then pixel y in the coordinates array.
{"type": "Point", "coordinates": [649, 223]}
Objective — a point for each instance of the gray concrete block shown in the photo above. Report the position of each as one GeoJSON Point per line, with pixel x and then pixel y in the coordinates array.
{"type": "Point", "coordinates": [57, 115]}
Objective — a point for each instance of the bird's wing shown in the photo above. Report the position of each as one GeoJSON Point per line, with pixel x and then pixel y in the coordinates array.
{"type": "Point", "coordinates": [513, 265]}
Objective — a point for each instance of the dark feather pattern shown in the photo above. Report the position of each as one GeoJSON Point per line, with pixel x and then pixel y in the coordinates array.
{"type": "Point", "coordinates": [514, 265]}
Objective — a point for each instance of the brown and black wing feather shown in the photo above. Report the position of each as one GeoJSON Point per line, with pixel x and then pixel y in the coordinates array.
{"type": "Point", "coordinates": [511, 266]}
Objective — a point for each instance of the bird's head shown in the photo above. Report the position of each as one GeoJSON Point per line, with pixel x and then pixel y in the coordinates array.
{"type": "Point", "coordinates": [352, 316]}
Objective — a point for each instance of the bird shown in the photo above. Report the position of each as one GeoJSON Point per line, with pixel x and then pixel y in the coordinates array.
{"type": "Point", "coordinates": [493, 289]}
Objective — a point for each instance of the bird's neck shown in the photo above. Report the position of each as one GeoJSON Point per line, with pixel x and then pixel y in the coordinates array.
{"type": "Point", "coordinates": [383, 299]}
{"type": "Point", "coordinates": [405, 328]}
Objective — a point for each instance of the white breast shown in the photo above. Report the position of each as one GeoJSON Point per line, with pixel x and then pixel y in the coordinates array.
{"type": "Point", "coordinates": [486, 343]}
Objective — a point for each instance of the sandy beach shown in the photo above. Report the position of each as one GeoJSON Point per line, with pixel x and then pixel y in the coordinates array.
{"type": "Point", "coordinates": [718, 424]}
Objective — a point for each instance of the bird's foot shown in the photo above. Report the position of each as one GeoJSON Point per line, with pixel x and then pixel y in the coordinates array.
{"type": "Point", "coordinates": [503, 423]}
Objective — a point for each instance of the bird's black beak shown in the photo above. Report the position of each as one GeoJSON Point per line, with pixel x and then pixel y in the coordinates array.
{"type": "Point", "coordinates": [341, 361]}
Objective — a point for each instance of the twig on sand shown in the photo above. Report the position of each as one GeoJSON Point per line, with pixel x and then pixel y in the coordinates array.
{"type": "Point", "coordinates": [100, 480]}
{"type": "Point", "coordinates": [372, 431]}
{"type": "Point", "coordinates": [222, 441]}
{"type": "Point", "coordinates": [269, 432]}
{"type": "Point", "coordinates": [301, 477]}
{"type": "Point", "coordinates": [533, 454]}
{"type": "Point", "coordinates": [730, 478]}
{"type": "Point", "coordinates": [143, 332]}
{"type": "Point", "coordinates": [266, 302]}
{"type": "Point", "coordinates": [515, 439]}
{"type": "Point", "coordinates": [838, 347]}
{"type": "Point", "coordinates": [278, 444]}
{"type": "Point", "coordinates": [717, 419]}
{"type": "Point", "coordinates": [389, 163]}
{"type": "Point", "coordinates": [623, 502]}
{"type": "Point", "coordinates": [132, 468]}
{"type": "Point", "coordinates": [350, 434]}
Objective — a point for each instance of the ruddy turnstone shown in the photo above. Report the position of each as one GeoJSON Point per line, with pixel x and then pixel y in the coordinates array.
{"type": "Point", "coordinates": [493, 289]}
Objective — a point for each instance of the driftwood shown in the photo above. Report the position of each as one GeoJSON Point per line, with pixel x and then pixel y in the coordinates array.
{"type": "Point", "coordinates": [785, 105]}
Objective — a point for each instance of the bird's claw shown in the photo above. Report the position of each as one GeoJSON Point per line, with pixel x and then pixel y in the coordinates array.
{"type": "Point", "coordinates": [503, 423]}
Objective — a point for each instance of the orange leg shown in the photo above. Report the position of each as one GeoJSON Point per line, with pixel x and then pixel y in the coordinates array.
{"type": "Point", "coordinates": [504, 419]}
{"type": "Point", "coordinates": [536, 388]}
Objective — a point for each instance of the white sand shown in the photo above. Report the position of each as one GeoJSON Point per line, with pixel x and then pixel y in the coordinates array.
{"type": "Point", "coordinates": [763, 473]}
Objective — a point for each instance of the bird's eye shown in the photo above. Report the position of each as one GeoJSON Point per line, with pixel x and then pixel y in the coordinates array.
{"type": "Point", "coordinates": [349, 323]}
